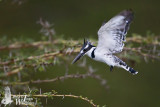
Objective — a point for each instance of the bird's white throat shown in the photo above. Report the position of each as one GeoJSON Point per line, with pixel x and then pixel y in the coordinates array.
{"type": "Point", "coordinates": [91, 52]}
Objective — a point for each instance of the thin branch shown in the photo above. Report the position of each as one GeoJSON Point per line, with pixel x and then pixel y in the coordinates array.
{"type": "Point", "coordinates": [47, 29]}
{"type": "Point", "coordinates": [95, 76]}
{"type": "Point", "coordinates": [136, 39]}
{"type": "Point", "coordinates": [76, 50]}
{"type": "Point", "coordinates": [20, 45]}
{"type": "Point", "coordinates": [59, 54]}
{"type": "Point", "coordinates": [56, 95]}
{"type": "Point", "coordinates": [142, 39]}
{"type": "Point", "coordinates": [46, 56]}
{"type": "Point", "coordinates": [139, 51]}
{"type": "Point", "coordinates": [15, 71]}
{"type": "Point", "coordinates": [24, 45]}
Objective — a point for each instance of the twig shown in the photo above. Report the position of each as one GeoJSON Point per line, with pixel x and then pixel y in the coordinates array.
{"type": "Point", "coordinates": [142, 39]}
{"type": "Point", "coordinates": [59, 54]}
{"type": "Point", "coordinates": [139, 51]}
{"type": "Point", "coordinates": [24, 45]}
{"type": "Point", "coordinates": [56, 95]}
{"type": "Point", "coordinates": [15, 71]}
{"type": "Point", "coordinates": [20, 45]}
{"type": "Point", "coordinates": [47, 29]}
{"type": "Point", "coordinates": [46, 56]}
{"type": "Point", "coordinates": [136, 39]}
{"type": "Point", "coordinates": [95, 76]}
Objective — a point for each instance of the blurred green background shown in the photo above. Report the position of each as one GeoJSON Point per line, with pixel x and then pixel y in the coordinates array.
{"type": "Point", "coordinates": [82, 18]}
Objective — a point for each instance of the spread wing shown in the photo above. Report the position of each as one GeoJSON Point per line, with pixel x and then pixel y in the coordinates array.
{"type": "Point", "coordinates": [111, 35]}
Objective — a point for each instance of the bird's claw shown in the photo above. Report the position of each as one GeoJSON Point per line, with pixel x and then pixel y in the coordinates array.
{"type": "Point", "coordinates": [111, 68]}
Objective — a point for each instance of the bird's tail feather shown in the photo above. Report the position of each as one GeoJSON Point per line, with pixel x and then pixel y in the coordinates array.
{"type": "Point", "coordinates": [120, 63]}
{"type": "Point", "coordinates": [131, 70]}
{"type": "Point", "coordinates": [126, 67]}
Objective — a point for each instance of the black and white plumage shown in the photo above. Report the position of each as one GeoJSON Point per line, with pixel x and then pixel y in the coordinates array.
{"type": "Point", "coordinates": [112, 34]}
{"type": "Point", "coordinates": [111, 38]}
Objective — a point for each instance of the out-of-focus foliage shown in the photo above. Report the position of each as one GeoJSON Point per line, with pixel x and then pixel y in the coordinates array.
{"type": "Point", "coordinates": [19, 56]}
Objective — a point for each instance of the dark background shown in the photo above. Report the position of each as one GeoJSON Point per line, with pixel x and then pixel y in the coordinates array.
{"type": "Point", "coordinates": [82, 18]}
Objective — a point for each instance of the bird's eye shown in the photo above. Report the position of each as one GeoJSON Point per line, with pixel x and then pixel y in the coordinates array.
{"type": "Point", "coordinates": [84, 50]}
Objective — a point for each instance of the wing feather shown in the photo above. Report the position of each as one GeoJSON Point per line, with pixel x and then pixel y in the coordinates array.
{"type": "Point", "coordinates": [111, 35]}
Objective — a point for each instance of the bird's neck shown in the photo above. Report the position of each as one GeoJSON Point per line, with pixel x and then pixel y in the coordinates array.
{"type": "Point", "coordinates": [91, 52]}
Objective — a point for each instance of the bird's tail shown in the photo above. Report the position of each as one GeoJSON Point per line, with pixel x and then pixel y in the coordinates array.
{"type": "Point", "coordinates": [126, 67]}
{"type": "Point", "coordinates": [131, 70]}
{"type": "Point", "coordinates": [120, 63]}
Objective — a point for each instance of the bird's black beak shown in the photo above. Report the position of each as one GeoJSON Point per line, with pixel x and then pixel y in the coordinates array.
{"type": "Point", "coordinates": [80, 54]}
{"type": "Point", "coordinates": [77, 57]}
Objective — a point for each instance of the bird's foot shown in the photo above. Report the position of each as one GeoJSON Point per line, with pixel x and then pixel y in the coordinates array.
{"type": "Point", "coordinates": [111, 68]}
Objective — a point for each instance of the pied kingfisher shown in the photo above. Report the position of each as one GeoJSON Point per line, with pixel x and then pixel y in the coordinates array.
{"type": "Point", "coordinates": [111, 36]}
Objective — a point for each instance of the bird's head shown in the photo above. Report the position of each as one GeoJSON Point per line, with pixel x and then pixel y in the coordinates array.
{"type": "Point", "coordinates": [85, 48]}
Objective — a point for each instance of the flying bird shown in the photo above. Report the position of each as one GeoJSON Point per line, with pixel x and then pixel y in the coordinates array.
{"type": "Point", "coordinates": [111, 38]}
